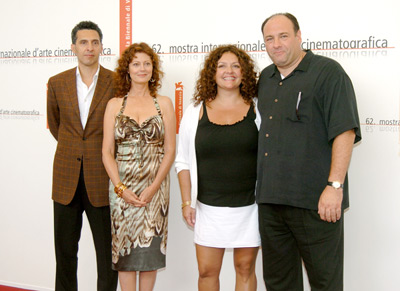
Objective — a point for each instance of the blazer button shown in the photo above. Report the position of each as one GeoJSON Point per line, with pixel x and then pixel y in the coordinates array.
{"type": "Point", "coordinates": [79, 159]}
{"type": "Point", "coordinates": [83, 138]}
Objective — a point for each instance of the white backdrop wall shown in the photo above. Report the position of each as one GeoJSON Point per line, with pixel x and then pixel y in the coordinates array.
{"type": "Point", "coordinates": [372, 223]}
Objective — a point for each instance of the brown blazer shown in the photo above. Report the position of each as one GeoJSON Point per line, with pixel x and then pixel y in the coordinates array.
{"type": "Point", "coordinates": [75, 144]}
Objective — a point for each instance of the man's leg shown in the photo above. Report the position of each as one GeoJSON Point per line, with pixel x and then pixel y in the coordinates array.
{"type": "Point", "coordinates": [321, 247]}
{"type": "Point", "coordinates": [67, 232]}
{"type": "Point", "coordinates": [282, 268]}
{"type": "Point", "coordinates": [100, 224]}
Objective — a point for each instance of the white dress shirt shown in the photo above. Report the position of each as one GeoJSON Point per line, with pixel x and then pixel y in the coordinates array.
{"type": "Point", "coordinates": [85, 95]}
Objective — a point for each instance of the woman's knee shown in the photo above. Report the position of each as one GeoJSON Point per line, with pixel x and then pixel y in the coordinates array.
{"type": "Point", "coordinates": [208, 271]}
{"type": "Point", "coordinates": [245, 260]}
{"type": "Point", "coordinates": [245, 268]}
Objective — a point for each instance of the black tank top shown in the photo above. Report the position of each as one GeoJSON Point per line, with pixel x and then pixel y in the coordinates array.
{"type": "Point", "coordinates": [227, 161]}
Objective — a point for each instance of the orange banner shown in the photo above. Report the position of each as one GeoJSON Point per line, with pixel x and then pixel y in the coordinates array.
{"type": "Point", "coordinates": [125, 24]}
{"type": "Point", "coordinates": [178, 104]}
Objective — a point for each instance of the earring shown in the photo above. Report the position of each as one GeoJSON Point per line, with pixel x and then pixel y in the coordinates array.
{"type": "Point", "coordinates": [152, 80]}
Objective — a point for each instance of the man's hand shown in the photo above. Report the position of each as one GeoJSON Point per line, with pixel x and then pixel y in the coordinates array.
{"type": "Point", "coordinates": [330, 204]}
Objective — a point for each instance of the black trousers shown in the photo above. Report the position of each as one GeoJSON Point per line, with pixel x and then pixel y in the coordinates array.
{"type": "Point", "coordinates": [67, 232]}
{"type": "Point", "coordinates": [290, 235]}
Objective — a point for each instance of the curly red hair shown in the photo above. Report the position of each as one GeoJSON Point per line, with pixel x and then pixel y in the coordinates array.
{"type": "Point", "coordinates": [122, 78]}
{"type": "Point", "coordinates": [206, 87]}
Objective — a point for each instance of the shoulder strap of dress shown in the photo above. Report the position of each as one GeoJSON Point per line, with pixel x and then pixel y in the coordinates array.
{"type": "Point", "coordinates": [251, 112]}
{"type": "Point", "coordinates": [123, 105]}
{"type": "Point", "coordinates": [205, 115]}
{"type": "Point", "coordinates": [157, 106]}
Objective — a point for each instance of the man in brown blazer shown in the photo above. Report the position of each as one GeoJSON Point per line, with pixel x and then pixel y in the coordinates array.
{"type": "Point", "coordinates": [76, 101]}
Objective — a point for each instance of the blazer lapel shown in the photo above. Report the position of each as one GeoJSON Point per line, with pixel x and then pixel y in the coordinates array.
{"type": "Point", "coordinates": [103, 83]}
{"type": "Point", "coordinates": [70, 84]}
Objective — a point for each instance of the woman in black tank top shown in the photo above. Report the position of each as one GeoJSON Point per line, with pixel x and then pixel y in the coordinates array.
{"type": "Point", "coordinates": [225, 143]}
{"type": "Point", "coordinates": [226, 161]}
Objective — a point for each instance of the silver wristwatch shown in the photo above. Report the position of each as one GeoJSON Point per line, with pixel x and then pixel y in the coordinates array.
{"type": "Point", "coordinates": [335, 184]}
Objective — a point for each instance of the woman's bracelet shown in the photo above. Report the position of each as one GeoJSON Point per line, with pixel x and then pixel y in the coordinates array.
{"type": "Point", "coordinates": [119, 189]}
{"type": "Point", "coordinates": [186, 203]}
{"type": "Point", "coordinates": [117, 186]}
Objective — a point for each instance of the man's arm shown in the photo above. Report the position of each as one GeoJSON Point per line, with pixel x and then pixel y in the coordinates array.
{"type": "Point", "coordinates": [330, 201]}
{"type": "Point", "coordinates": [53, 112]}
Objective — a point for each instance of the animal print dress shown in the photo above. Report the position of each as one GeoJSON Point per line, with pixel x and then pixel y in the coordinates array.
{"type": "Point", "coordinates": [139, 234]}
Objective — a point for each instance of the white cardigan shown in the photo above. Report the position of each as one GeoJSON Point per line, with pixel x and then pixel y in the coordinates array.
{"type": "Point", "coordinates": [186, 154]}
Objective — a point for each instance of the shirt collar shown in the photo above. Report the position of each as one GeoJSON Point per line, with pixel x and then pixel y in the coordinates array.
{"type": "Point", "coordinates": [96, 75]}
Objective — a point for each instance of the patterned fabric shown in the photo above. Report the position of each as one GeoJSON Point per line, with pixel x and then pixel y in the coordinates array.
{"type": "Point", "coordinates": [134, 229]}
{"type": "Point", "coordinates": [75, 144]}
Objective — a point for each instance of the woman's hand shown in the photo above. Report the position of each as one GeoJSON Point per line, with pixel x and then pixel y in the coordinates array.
{"type": "Point", "coordinates": [189, 214]}
{"type": "Point", "coordinates": [131, 198]}
{"type": "Point", "coordinates": [147, 194]}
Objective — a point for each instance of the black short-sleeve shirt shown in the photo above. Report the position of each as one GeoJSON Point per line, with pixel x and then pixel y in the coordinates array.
{"type": "Point", "coordinates": [301, 115]}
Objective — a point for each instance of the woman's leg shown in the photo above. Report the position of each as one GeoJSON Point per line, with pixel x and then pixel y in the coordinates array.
{"type": "Point", "coordinates": [245, 261]}
{"type": "Point", "coordinates": [127, 280]}
{"type": "Point", "coordinates": [209, 261]}
{"type": "Point", "coordinates": [147, 279]}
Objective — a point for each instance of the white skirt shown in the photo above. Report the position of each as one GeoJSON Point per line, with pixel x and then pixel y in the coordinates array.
{"type": "Point", "coordinates": [226, 227]}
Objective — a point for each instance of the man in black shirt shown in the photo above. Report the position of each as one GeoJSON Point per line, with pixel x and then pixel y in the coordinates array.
{"type": "Point", "coordinates": [309, 125]}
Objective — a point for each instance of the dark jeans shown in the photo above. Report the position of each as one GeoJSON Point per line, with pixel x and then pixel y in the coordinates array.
{"type": "Point", "coordinates": [67, 232]}
{"type": "Point", "coordinates": [290, 235]}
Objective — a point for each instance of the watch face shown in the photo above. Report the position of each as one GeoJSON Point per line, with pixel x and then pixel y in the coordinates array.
{"type": "Point", "coordinates": [336, 185]}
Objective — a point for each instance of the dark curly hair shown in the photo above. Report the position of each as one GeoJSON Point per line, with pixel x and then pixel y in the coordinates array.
{"type": "Point", "coordinates": [206, 87]}
{"type": "Point", "coordinates": [122, 78]}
